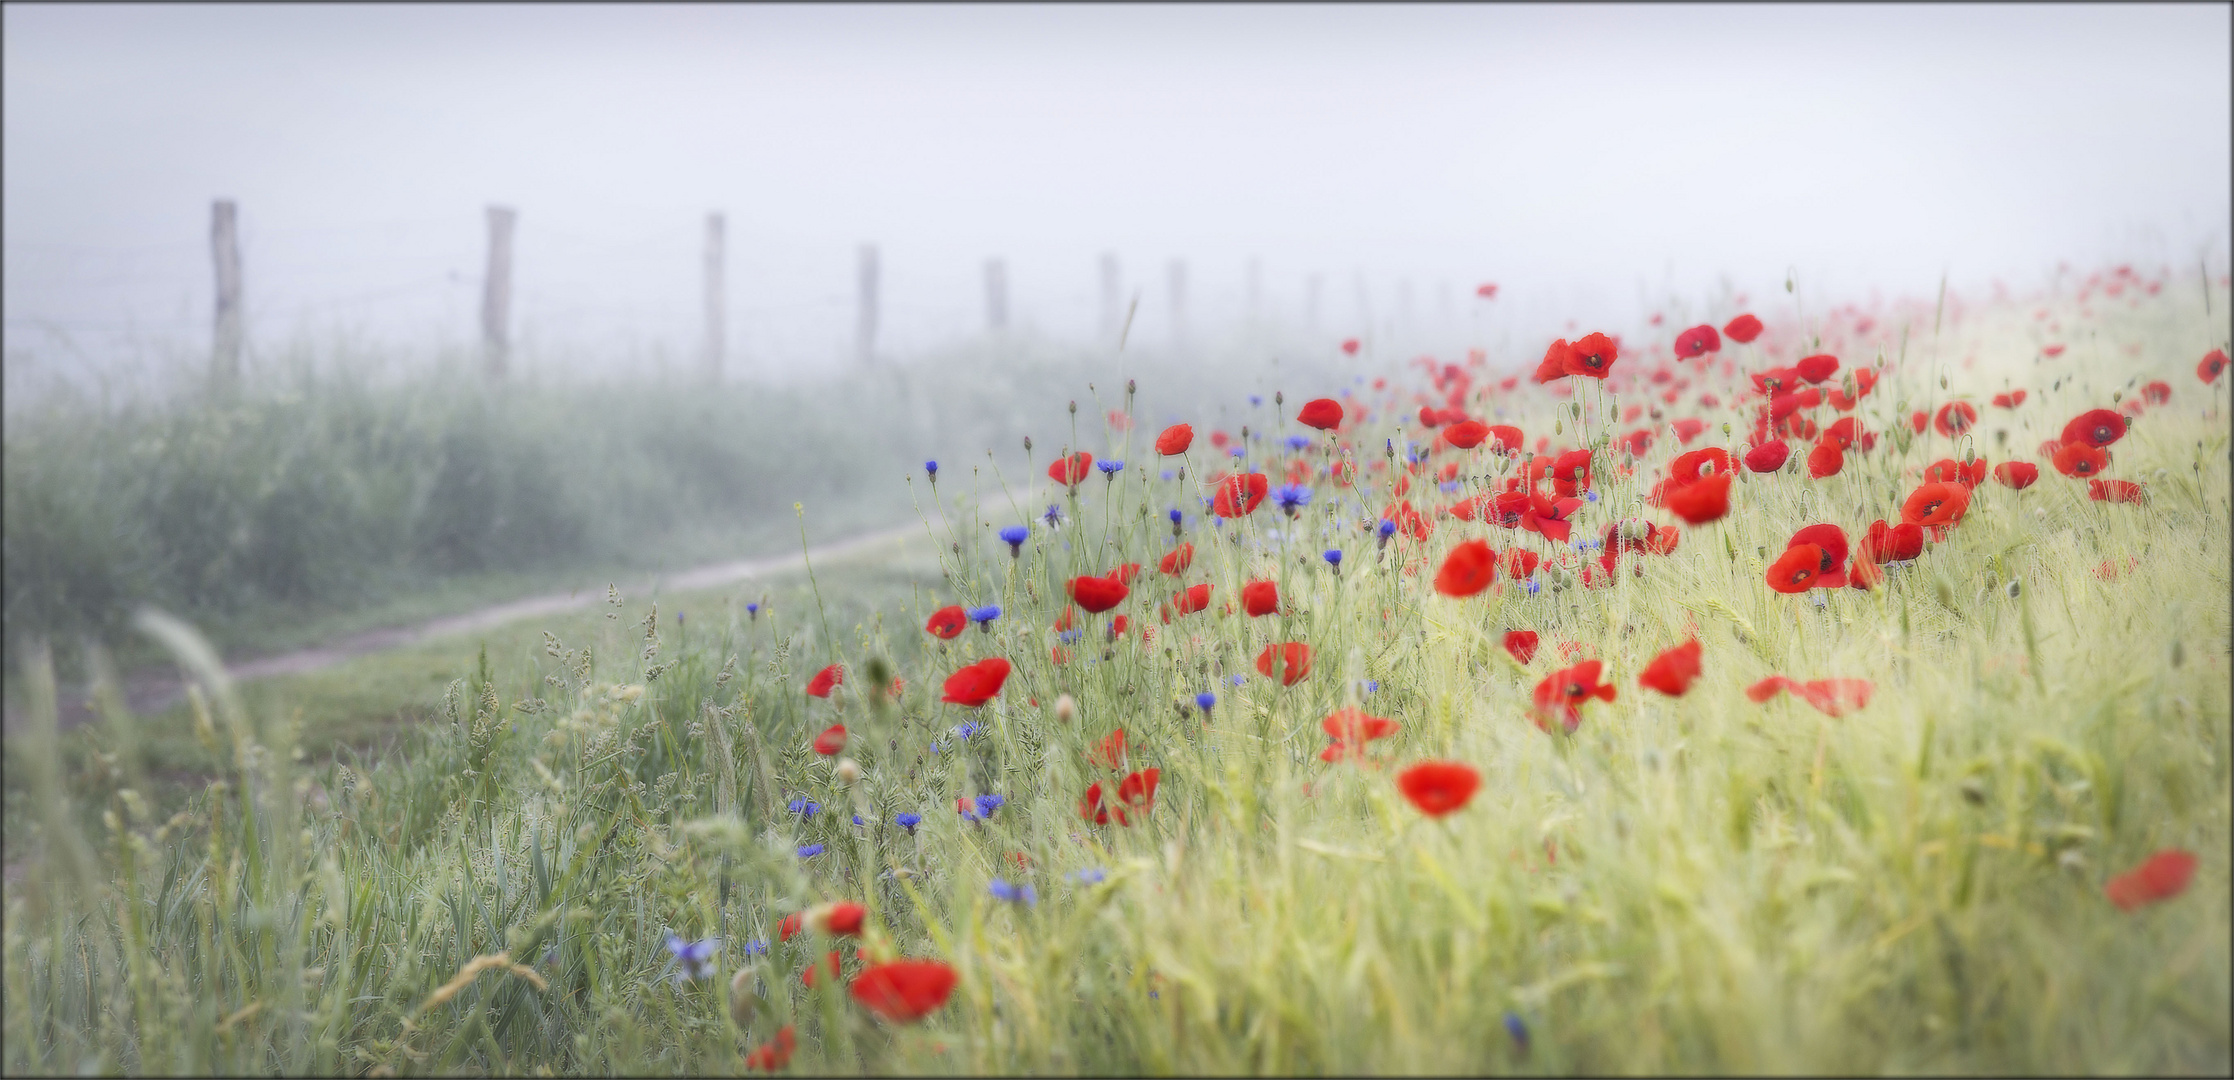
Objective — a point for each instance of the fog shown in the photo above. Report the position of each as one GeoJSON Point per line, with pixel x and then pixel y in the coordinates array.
{"type": "Point", "coordinates": [1594, 161]}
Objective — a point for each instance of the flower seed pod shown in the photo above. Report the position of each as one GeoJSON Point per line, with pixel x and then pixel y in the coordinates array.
{"type": "Point", "coordinates": [2015, 587]}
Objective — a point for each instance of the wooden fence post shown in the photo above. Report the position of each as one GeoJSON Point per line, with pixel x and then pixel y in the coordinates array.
{"type": "Point", "coordinates": [996, 295]}
{"type": "Point", "coordinates": [717, 330]}
{"type": "Point", "coordinates": [496, 295]}
{"type": "Point", "coordinates": [224, 242]}
{"type": "Point", "coordinates": [865, 323]}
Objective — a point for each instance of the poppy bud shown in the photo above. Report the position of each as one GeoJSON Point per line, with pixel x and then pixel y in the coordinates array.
{"type": "Point", "coordinates": [1725, 427]}
{"type": "Point", "coordinates": [1066, 708]}
{"type": "Point", "coordinates": [1942, 381]}
{"type": "Point", "coordinates": [2179, 653]}
{"type": "Point", "coordinates": [1074, 404]}
{"type": "Point", "coordinates": [2015, 587]}
{"type": "Point", "coordinates": [1279, 398]}
{"type": "Point", "coordinates": [1131, 386]}
{"type": "Point", "coordinates": [1974, 791]}
{"type": "Point", "coordinates": [1558, 427]}
{"type": "Point", "coordinates": [2116, 395]}
{"type": "Point", "coordinates": [1027, 444]}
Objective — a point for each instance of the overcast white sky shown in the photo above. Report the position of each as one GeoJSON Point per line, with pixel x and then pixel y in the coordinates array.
{"type": "Point", "coordinates": [1576, 155]}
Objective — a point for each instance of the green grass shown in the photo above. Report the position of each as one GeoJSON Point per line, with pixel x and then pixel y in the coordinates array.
{"type": "Point", "coordinates": [1694, 884]}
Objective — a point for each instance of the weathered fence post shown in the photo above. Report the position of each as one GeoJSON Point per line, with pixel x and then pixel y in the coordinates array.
{"type": "Point", "coordinates": [717, 329]}
{"type": "Point", "coordinates": [224, 242]}
{"type": "Point", "coordinates": [496, 295]}
{"type": "Point", "coordinates": [865, 322]}
{"type": "Point", "coordinates": [996, 295]}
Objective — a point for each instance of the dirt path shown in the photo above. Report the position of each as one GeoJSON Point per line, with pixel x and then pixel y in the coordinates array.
{"type": "Point", "coordinates": [155, 690]}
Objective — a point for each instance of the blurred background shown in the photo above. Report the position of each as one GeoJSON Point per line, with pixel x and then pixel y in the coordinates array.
{"type": "Point", "coordinates": [311, 312]}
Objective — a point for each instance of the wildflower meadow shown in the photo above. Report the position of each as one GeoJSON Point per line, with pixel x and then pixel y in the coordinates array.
{"type": "Point", "coordinates": [1767, 690]}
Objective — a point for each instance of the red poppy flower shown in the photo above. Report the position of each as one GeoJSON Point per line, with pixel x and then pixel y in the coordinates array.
{"type": "Point", "coordinates": [1353, 726]}
{"type": "Point", "coordinates": [1768, 457]}
{"type": "Point", "coordinates": [1439, 787]}
{"type": "Point", "coordinates": [2016, 475]}
{"type": "Point", "coordinates": [2162, 876]}
{"type": "Point", "coordinates": [1919, 420]}
{"type": "Point", "coordinates": [1561, 693]}
{"type": "Point", "coordinates": [1550, 517]}
{"type": "Point", "coordinates": [1885, 543]}
{"type": "Point", "coordinates": [2123, 491]}
{"type": "Point", "coordinates": [1408, 521]}
{"type": "Point", "coordinates": [1505, 438]}
{"type": "Point", "coordinates": [1689, 466]}
{"type": "Point", "coordinates": [1350, 346]}
{"type": "Point", "coordinates": [1637, 442]}
{"type": "Point", "coordinates": [1831, 540]}
{"type": "Point", "coordinates": [1592, 356]}
{"type": "Point", "coordinates": [791, 924]}
{"type": "Point", "coordinates": [1817, 368]}
{"type": "Point", "coordinates": [1554, 365]}
{"type": "Point", "coordinates": [1834, 697]}
{"type": "Point", "coordinates": [1468, 569]}
{"type": "Point", "coordinates": [1742, 329]}
{"type": "Point", "coordinates": [1486, 291]}
{"type": "Point", "coordinates": [1192, 599]}
{"type": "Point", "coordinates": [1954, 418]}
{"type": "Point", "coordinates": [1863, 574]}
{"type": "Point", "coordinates": [2080, 460]}
{"type": "Point", "coordinates": [2156, 392]}
{"type": "Point", "coordinates": [1697, 341]}
{"type": "Point", "coordinates": [1322, 413]}
{"type": "Point", "coordinates": [1825, 459]}
{"type": "Point", "coordinates": [1776, 381]}
{"type": "Point", "coordinates": [2009, 400]}
{"type": "Point", "coordinates": [1688, 429]}
{"type": "Point", "coordinates": [1175, 440]}
{"type": "Point", "coordinates": [1239, 496]}
{"type": "Point", "coordinates": [1702, 502]}
{"type": "Point", "coordinates": [829, 963]}
{"type": "Point", "coordinates": [1071, 470]}
{"type": "Point", "coordinates": [1954, 472]}
{"type": "Point", "coordinates": [1294, 658]}
{"type": "Point", "coordinates": [2095, 427]}
{"type": "Point", "coordinates": [1097, 594]}
{"type": "Point", "coordinates": [1520, 562]}
{"type": "Point", "coordinates": [1094, 810]}
{"type": "Point", "coordinates": [1521, 644]}
{"type": "Point", "coordinates": [1671, 672]}
{"type": "Point", "coordinates": [1795, 571]}
{"type": "Point", "coordinates": [1843, 433]}
{"type": "Point", "coordinates": [1570, 473]}
{"type": "Point", "coordinates": [948, 622]}
{"type": "Point", "coordinates": [1137, 791]}
{"type": "Point", "coordinates": [978, 683]}
{"type": "Point", "coordinates": [825, 680]}
{"type": "Point", "coordinates": [1935, 505]}
{"type": "Point", "coordinates": [1466, 435]}
{"type": "Point", "coordinates": [905, 990]}
{"type": "Point", "coordinates": [1260, 598]}
{"type": "Point", "coordinates": [1177, 560]}
{"type": "Point", "coordinates": [831, 741]}
{"type": "Point", "coordinates": [776, 1054]}
{"type": "Point", "coordinates": [843, 918]}
{"type": "Point", "coordinates": [2211, 366]}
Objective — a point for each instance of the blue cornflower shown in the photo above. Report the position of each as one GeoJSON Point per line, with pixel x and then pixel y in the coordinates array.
{"type": "Point", "coordinates": [1015, 535]}
{"type": "Point", "coordinates": [965, 729]}
{"type": "Point", "coordinates": [932, 467]}
{"type": "Point", "coordinates": [1238, 679]}
{"type": "Point", "coordinates": [1053, 516]}
{"type": "Point", "coordinates": [1092, 875]}
{"type": "Point", "coordinates": [1448, 486]}
{"type": "Point", "coordinates": [1388, 529]}
{"type": "Point", "coordinates": [907, 821]}
{"type": "Point", "coordinates": [755, 948]}
{"type": "Point", "coordinates": [1256, 399]}
{"type": "Point", "coordinates": [1298, 442]}
{"type": "Point", "coordinates": [984, 616]}
{"type": "Point", "coordinates": [1535, 586]}
{"type": "Point", "coordinates": [802, 807]}
{"type": "Point", "coordinates": [1590, 496]}
{"type": "Point", "coordinates": [1334, 558]}
{"type": "Point", "coordinates": [692, 959]}
{"type": "Point", "coordinates": [1175, 515]}
{"type": "Point", "coordinates": [753, 610]}
{"type": "Point", "coordinates": [1292, 497]}
{"type": "Point", "coordinates": [1518, 1030]}
{"type": "Point", "coordinates": [857, 820]}
{"type": "Point", "coordinates": [809, 851]}
{"type": "Point", "coordinates": [1110, 468]}
{"type": "Point", "coordinates": [1205, 700]}
{"type": "Point", "coordinates": [1372, 685]}
{"type": "Point", "coordinates": [1067, 636]}
{"type": "Point", "coordinates": [986, 804]}
{"type": "Point", "coordinates": [1168, 474]}
{"type": "Point", "coordinates": [1015, 894]}
{"type": "Point", "coordinates": [1237, 450]}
